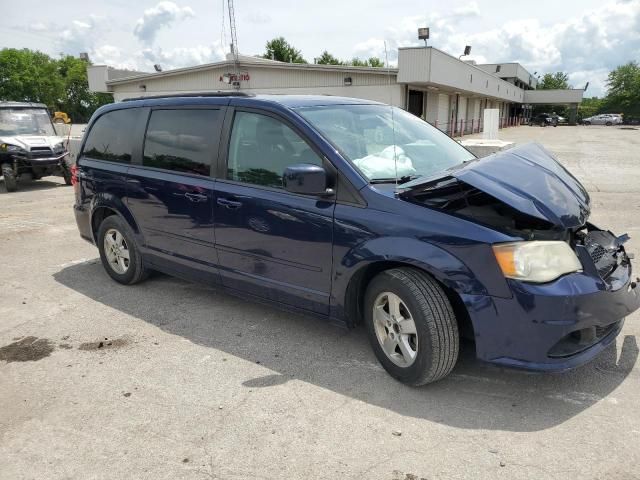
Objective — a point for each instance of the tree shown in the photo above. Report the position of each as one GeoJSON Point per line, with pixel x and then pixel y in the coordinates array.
{"type": "Point", "coordinates": [32, 76]}
{"type": "Point", "coordinates": [327, 59]}
{"type": "Point", "coordinates": [590, 107]}
{"type": "Point", "coordinates": [77, 100]}
{"type": "Point", "coordinates": [551, 81]}
{"type": "Point", "coordinates": [281, 50]}
{"type": "Point", "coordinates": [372, 62]}
{"type": "Point", "coordinates": [623, 95]}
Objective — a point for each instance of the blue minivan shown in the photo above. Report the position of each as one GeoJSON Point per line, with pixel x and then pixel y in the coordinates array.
{"type": "Point", "coordinates": [360, 213]}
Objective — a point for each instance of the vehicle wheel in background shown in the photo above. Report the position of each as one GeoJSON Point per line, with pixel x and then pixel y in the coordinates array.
{"type": "Point", "coordinates": [119, 253]}
{"type": "Point", "coordinates": [411, 326]}
{"type": "Point", "coordinates": [10, 180]}
{"type": "Point", "coordinates": [587, 123]}
{"type": "Point", "coordinates": [608, 124]}
{"type": "Point", "coordinates": [66, 174]}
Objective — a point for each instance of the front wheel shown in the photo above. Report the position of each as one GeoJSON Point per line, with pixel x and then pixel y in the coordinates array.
{"type": "Point", "coordinates": [119, 252]}
{"type": "Point", "coordinates": [608, 124]}
{"type": "Point", "coordinates": [10, 180]}
{"type": "Point", "coordinates": [411, 326]}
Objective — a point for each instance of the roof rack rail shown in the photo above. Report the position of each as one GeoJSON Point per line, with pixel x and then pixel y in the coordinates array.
{"type": "Point", "coordinates": [219, 93]}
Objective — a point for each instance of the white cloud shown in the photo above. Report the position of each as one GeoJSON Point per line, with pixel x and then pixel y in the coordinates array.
{"type": "Point", "coordinates": [112, 56]}
{"type": "Point", "coordinates": [79, 35]}
{"type": "Point", "coordinates": [257, 17]}
{"type": "Point", "coordinates": [469, 10]}
{"type": "Point", "coordinates": [183, 57]}
{"type": "Point", "coordinates": [162, 15]}
{"type": "Point", "coordinates": [587, 46]}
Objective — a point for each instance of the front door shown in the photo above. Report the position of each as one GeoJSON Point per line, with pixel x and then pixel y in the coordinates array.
{"type": "Point", "coordinates": [272, 243]}
{"type": "Point", "coordinates": [172, 192]}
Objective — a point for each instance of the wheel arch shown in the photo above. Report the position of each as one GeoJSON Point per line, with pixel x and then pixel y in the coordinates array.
{"type": "Point", "coordinates": [107, 205]}
{"type": "Point", "coordinates": [360, 280]}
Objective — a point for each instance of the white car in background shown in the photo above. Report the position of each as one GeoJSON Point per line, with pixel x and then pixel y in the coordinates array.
{"type": "Point", "coordinates": [603, 119]}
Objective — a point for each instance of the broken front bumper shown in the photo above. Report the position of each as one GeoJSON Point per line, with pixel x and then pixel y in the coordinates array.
{"type": "Point", "coordinates": [554, 326]}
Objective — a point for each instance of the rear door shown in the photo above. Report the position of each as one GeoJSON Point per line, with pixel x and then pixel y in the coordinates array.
{"type": "Point", "coordinates": [271, 243]}
{"type": "Point", "coordinates": [171, 191]}
{"type": "Point", "coordinates": [108, 151]}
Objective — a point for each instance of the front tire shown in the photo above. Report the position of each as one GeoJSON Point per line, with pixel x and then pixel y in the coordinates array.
{"type": "Point", "coordinates": [10, 180]}
{"type": "Point", "coordinates": [119, 252]}
{"type": "Point", "coordinates": [411, 326]}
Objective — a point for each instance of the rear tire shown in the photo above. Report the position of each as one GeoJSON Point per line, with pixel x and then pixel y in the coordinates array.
{"type": "Point", "coordinates": [408, 307]}
{"type": "Point", "coordinates": [66, 174]}
{"type": "Point", "coordinates": [119, 252]}
{"type": "Point", "coordinates": [608, 124]}
{"type": "Point", "coordinates": [587, 123]}
{"type": "Point", "coordinates": [10, 180]}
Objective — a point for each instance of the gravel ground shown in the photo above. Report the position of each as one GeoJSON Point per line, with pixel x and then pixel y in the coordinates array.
{"type": "Point", "coordinates": [172, 380]}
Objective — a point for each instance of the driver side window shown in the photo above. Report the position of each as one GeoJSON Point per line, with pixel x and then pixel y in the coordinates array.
{"type": "Point", "coordinates": [261, 148]}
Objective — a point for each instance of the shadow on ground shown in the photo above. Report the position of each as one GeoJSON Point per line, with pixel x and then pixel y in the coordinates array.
{"type": "Point", "coordinates": [476, 395]}
{"type": "Point", "coordinates": [32, 185]}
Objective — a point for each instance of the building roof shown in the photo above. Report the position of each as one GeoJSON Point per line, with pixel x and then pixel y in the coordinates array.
{"type": "Point", "coordinates": [246, 61]}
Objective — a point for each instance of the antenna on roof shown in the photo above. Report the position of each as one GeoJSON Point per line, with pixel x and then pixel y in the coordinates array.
{"type": "Point", "coordinates": [234, 42]}
{"type": "Point", "coordinates": [393, 123]}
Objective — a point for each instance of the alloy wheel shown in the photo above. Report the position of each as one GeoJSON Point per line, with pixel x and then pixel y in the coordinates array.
{"type": "Point", "coordinates": [395, 329]}
{"type": "Point", "coordinates": [117, 251]}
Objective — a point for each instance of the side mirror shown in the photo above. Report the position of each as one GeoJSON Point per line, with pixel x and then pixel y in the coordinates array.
{"type": "Point", "coordinates": [306, 179]}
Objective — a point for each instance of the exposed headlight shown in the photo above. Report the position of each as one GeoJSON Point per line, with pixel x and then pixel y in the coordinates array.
{"type": "Point", "coordinates": [6, 147]}
{"type": "Point", "coordinates": [536, 261]}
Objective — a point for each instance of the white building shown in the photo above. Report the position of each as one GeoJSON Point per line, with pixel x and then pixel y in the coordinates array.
{"type": "Point", "coordinates": [445, 91]}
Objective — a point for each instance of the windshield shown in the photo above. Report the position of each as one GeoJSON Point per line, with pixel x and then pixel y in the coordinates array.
{"type": "Point", "coordinates": [25, 121]}
{"type": "Point", "coordinates": [385, 145]}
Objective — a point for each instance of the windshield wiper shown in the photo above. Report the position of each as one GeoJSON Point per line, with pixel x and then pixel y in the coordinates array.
{"type": "Point", "coordinates": [400, 181]}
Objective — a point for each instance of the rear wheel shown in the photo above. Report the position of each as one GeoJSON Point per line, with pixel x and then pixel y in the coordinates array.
{"type": "Point", "coordinates": [119, 252]}
{"type": "Point", "coordinates": [66, 173]}
{"type": "Point", "coordinates": [587, 123]}
{"type": "Point", "coordinates": [411, 326]}
{"type": "Point", "coordinates": [10, 180]}
{"type": "Point", "coordinates": [608, 124]}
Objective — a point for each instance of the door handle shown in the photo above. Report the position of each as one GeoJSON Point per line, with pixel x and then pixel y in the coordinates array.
{"type": "Point", "coordinates": [196, 197]}
{"type": "Point", "coordinates": [232, 204]}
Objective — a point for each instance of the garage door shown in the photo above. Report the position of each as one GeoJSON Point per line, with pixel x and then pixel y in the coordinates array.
{"type": "Point", "coordinates": [443, 112]}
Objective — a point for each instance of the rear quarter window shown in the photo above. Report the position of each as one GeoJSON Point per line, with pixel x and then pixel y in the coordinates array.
{"type": "Point", "coordinates": [112, 136]}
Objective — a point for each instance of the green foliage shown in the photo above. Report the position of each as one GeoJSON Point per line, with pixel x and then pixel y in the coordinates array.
{"type": "Point", "coordinates": [371, 62]}
{"type": "Point", "coordinates": [281, 50]}
{"type": "Point", "coordinates": [623, 94]}
{"type": "Point", "coordinates": [31, 76]}
{"type": "Point", "coordinates": [327, 59]}
{"type": "Point", "coordinates": [590, 107]}
{"type": "Point", "coordinates": [552, 81]}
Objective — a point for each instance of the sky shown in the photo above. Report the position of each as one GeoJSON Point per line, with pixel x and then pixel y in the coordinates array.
{"type": "Point", "coordinates": [585, 38]}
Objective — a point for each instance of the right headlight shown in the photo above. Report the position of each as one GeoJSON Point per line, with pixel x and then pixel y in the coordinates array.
{"type": "Point", "coordinates": [536, 261]}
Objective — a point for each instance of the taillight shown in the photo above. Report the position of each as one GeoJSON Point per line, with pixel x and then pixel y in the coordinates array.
{"type": "Point", "coordinates": [74, 174]}
{"type": "Point", "coordinates": [74, 180]}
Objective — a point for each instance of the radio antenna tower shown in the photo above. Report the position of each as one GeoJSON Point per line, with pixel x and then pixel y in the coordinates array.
{"type": "Point", "coordinates": [234, 43]}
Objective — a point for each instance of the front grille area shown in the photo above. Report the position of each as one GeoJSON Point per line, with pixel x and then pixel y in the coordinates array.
{"type": "Point", "coordinates": [605, 257]}
{"type": "Point", "coordinates": [580, 340]}
{"type": "Point", "coordinates": [40, 152]}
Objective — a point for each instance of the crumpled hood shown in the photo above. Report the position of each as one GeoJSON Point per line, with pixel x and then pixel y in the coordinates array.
{"type": "Point", "coordinates": [28, 141]}
{"type": "Point", "coordinates": [529, 179]}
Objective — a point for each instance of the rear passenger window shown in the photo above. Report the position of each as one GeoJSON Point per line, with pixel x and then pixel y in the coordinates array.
{"type": "Point", "coordinates": [182, 140]}
{"type": "Point", "coordinates": [261, 147]}
{"type": "Point", "coordinates": [112, 136]}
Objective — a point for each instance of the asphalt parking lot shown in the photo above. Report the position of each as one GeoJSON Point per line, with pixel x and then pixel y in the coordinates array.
{"type": "Point", "coordinates": [173, 380]}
